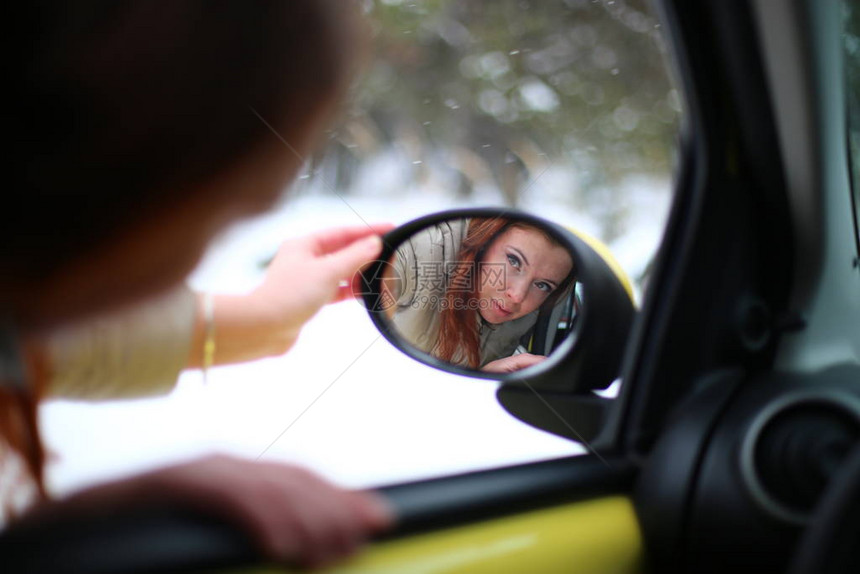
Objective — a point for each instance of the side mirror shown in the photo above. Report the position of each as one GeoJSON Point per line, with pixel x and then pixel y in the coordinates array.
{"type": "Point", "coordinates": [502, 295]}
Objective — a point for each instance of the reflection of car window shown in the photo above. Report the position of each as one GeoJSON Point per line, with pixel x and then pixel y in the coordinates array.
{"type": "Point", "coordinates": [851, 43]}
{"type": "Point", "coordinates": [563, 109]}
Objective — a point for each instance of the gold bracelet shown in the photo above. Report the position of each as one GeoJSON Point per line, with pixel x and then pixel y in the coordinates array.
{"type": "Point", "coordinates": [209, 333]}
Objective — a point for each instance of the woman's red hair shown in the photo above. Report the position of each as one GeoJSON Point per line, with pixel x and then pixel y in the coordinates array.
{"type": "Point", "coordinates": [19, 429]}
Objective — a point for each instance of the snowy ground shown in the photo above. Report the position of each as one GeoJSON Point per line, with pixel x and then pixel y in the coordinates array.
{"type": "Point", "coordinates": [343, 401]}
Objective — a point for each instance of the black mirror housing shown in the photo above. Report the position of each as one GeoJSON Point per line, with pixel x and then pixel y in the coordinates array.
{"type": "Point", "coordinates": [589, 359]}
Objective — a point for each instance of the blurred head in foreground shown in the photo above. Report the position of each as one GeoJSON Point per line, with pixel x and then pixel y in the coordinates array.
{"type": "Point", "coordinates": [140, 130]}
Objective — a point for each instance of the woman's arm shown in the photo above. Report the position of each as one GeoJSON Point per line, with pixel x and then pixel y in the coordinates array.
{"type": "Point", "coordinates": [142, 350]}
{"type": "Point", "coordinates": [132, 352]}
{"type": "Point", "coordinates": [304, 275]}
{"type": "Point", "coordinates": [292, 514]}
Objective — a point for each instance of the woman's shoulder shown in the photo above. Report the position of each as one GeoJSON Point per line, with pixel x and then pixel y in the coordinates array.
{"type": "Point", "coordinates": [440, 242]}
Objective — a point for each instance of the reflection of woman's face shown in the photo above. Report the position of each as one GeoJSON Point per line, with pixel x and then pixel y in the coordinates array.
{"type": "Point", "coordinates": [521, 268]}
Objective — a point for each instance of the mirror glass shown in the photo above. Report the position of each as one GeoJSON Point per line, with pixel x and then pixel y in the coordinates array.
{"type": "Point", "coordinates": [486, 294]}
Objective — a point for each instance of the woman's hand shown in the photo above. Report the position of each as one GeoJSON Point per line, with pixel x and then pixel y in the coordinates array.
{"type": "Point", "coordinates": [513, 363]}
{"type": "Point", "coordinates": [305, 274]}
{"type": "Point", "coordinates": [292, 514]}
{"type": "Point", "coordinates": [311, 271]}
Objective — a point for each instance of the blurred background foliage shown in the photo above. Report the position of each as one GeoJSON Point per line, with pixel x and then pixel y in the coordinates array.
{"type": "Point", "coordinates": [490, 94]}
